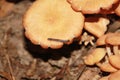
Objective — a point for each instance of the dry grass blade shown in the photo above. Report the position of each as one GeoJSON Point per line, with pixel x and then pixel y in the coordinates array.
{"type": "Point", "coordinates": [5, 75]}
{"type": "Point", "coordinates": [10, 67]}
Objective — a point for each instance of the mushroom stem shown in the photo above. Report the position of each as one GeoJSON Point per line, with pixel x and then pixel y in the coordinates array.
{"type": "Point", "coordinates": [115, 50]}
{"type": "Point", "coordinates": [108, 50]}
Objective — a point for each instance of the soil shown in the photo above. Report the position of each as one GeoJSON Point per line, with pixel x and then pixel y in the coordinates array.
{"type": "Point", "coordinates": [22, 60]}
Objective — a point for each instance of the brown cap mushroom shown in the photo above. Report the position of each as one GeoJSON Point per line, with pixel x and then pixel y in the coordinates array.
{"type": "Point", "coordinates": [95, 56]}
{"type": "Point", "coordinates": [52, 23]}
{"type": "Point", "coordinates": [91, 6]}
{"type": "Point", "coordinates": [96, 25]}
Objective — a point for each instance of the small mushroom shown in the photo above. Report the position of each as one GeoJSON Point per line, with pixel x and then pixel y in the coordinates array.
{"type": "Point", "coordinates": [115, 61]}
{"type": "Point", "coordinates": [95, 56]}
{"type": "Point", "coordinates": [101, 40]}
{"type": "Point", "coordinates": [113, 39]}
{"type": "Point", "coordinates": [96, 25]}
{"type": "Point", "coordinates": [107, 67]}
{"type": "Point", "coordinates": [117, 10]}
{"type": "Point", "coordinates": [104, 78]}
{"type": "Point", "coordinates": [91, 6]}
{"type": "Point", "coordinates": [115, 76]}
{"type": "Point", "coordinates": [52, 23]}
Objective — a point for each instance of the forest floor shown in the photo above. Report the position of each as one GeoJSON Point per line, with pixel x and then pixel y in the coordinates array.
{"type": "Point", "coordinates": [22, 60]}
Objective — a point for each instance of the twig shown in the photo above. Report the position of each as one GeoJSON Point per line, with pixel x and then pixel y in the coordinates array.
{"type": "Point", "coordinates": [5, 47]}
{"type": "Point", "coordinates": [5, 75]}
{"type": "Point", "coordinates": [58, 40]}
{"type": "Point", "coordinates": [10, 67]}
{"type": "Point", "coordinates": [81, 72]}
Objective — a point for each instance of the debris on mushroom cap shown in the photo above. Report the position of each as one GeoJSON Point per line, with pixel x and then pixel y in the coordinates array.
{"type": "Point", "coordinates": [107, 67]}
{"type": "Point", "coordinates": [86, 39]}
{"type": "Point", "coordinates": [52, 23]}
{"type": "Point", "coordinates": [5, 8]}
{"type": "Point", "coordinates": [91, 6]}
{"type": "Point", "coordinates": [101, 40]}
{"type": "Point", "coordinates": [113, 39]}
{"type": "Point", "coordinates": [115, 61]}
{"type": "Point", "coordinates": [95, 56]}
{"type": "Point", "coordinates": [96, 25]}
{"type": "Point", "coordinates": [117, 10]}
{"type": "Point", "coordinates": [115, 76]}
{"type": "Point", "coordinates": [104, 78]}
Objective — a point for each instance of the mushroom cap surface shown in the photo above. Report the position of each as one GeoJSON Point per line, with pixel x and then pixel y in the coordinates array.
{"type": "Point", "coordinates": [52, 23]}
{"type": "Point", "coordinates": [95, 56]}
{"type": "Point", "coordinates": [104, 78]}
{"type": "Point", "coordinates": [101, 40]}
{"type": "Point", "coordinates": [115, 61]}
{"type": "Point", "coordinates": [115, 76]}
{"type": "Point", "coordinates": [91, 6]}
{"type": "Point", "coordinates": [107, 67]}
{"type": "Point", "coordinates": [113, 39]}
{"type": "Point", "coordinates": [96, 25]}
{"type": "Point", "coordinates": [117, 10]}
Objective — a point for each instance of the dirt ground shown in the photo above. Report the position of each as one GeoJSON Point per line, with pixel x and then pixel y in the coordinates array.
{"type": "Point", "coordinates": [22, 60]}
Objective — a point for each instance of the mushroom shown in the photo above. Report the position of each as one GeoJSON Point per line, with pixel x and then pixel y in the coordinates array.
{"type": "Point", "coordinates": [96, 25]}
{"type": "Point", "coordinates": [104, 78]}
{"type": "Point", "coordinates": [114, 40]}
{"type": "Point", "coordinates": [52, 23]}
{"type": "Point", "coordinates": [115, 61]}
{"type": "Point", "coordinates": [115, 76]}
{"type": "Point", "coordinates": [117, 10]}
{"type": "Point", "coordinates": [101, 40]}
{"type": "Point", "coordinates": [5, 8]}
{"type": "Point", "coordinates": [106, 66]}
{"type": "Point", "coordinates": [95, 56]}
{"type": "Point", "coordinates": [91, 6]}
{"type": "Point", "coordinates": [111, 40]}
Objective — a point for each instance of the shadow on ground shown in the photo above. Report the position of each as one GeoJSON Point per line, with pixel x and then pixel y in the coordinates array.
{"type": "Point", "coordinates": [55, 54]}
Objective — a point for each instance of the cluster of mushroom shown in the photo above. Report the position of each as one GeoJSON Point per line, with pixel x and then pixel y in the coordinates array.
{"type": "Point", "coordinates": [54, 23]}
{"type": "Point", "coordinates": [107, 58]}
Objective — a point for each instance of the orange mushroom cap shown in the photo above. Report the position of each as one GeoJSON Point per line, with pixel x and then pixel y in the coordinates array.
{"type": "Point", "coordinates": [95, 56]}
{"type": "Point", "coordinates": [104, 78]}
{"type": "Point", "coordinates": [96, 25]}
{"type": "Point", "coordinates": [52, 23]}
{"type": "Point", "coordinates": [113, 39]}
{"type": "Point", "coordinates": [107, 67]}
{"type": "Point", "coordinates": [101, 40]}
{"type": "Point", "coordinates": [91, 6]}
{"type": "Point", "coordinates": [115, 61]}
{"type": "Point", "coordinates": [117, 10]}
{"type": "Point", "coordinates": [115, 76]}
